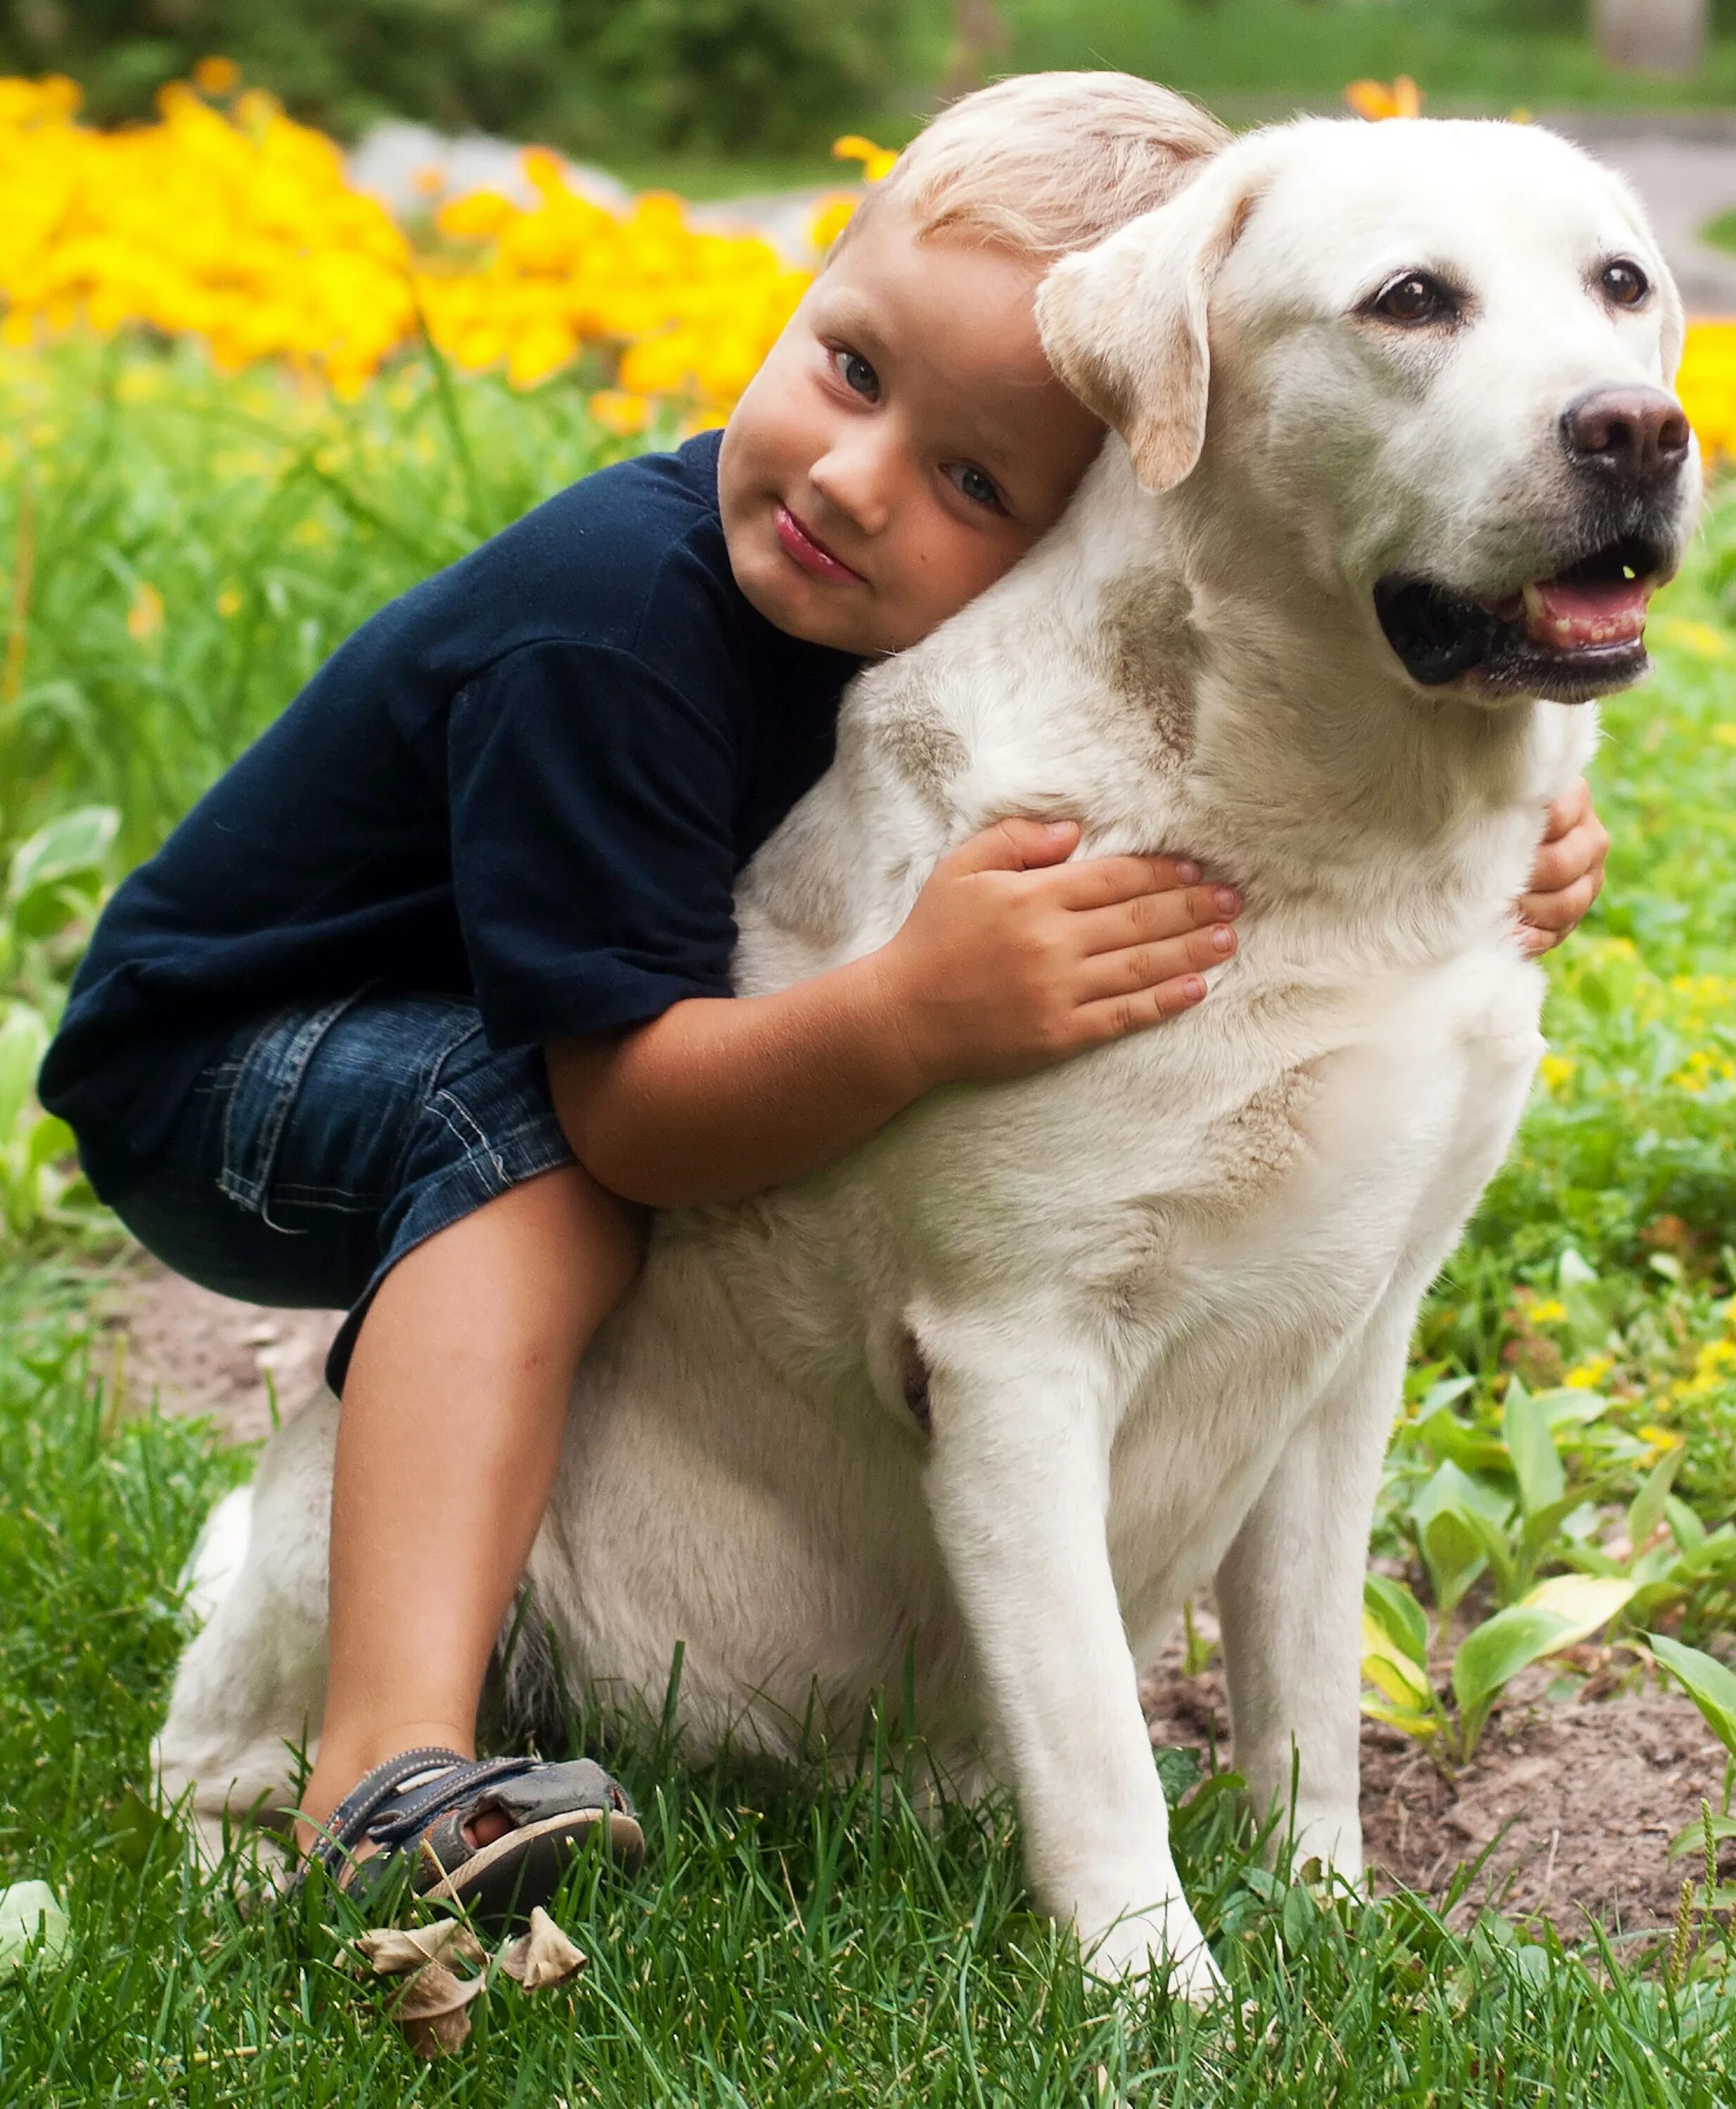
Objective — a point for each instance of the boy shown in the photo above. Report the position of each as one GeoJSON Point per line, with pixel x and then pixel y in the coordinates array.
{"type": "Point", "coordinates": [431, 988]}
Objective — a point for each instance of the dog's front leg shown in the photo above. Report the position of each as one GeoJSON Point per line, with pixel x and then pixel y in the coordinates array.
{"type": "Point", "coordinates": [1018, 1483]}
{"type": "Point", "coordinates": [1289, 1592]}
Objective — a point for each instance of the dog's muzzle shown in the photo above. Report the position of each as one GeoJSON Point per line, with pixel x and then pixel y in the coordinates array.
{"type": "Point", "coordinates": [1580, 631]}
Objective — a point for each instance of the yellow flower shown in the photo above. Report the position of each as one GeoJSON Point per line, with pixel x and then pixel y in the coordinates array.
{"type": "Point", "coordinates": [1588, 1374]}
{"type": "Point", "coordinates": [1550, 1312]}
{"type": "Point", "coordinates": [145, 617]}
{"type": "Point", "coordinates": [216, 77]}
{"type": "Point", "coordinates": [1556, 1071]}
{"type": "Point", "coordinates": [228, 603]}
{"type": "Point", "coordinates": [830, 219]}
{"type": "Point", "coordinates": [1700, 640]}
{"type": "Point", "coordinates": [877, 161]}
{"type": "Point", "coordinates": [620, 413]}
{"type": "Point", "coordinates": [1374, 99]}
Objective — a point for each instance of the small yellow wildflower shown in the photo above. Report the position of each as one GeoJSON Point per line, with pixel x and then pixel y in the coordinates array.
{"type": "Point", "coordinates": [216, 77]}
{"type": "Point", "coordinates": [830, 219]}
{"type": "Point", "coordinates": [1588, 1374]}
{"type": "Point", "coordinates": [229, 602]}
{"type": "Point", "coordinates": [1376, 100]}
{"type": "Point", "coordinates": [877, 161]}
{"type": "Point", "coordinates": [1550, 1312]}
{"type": "Point", "coordinates": [1700, 640]}
{"type": "Point", "coordinates": [1556, 1071]}
{"type": "Point", "coordinates": [619, 411]}
{"type": "Point", "coordinates": [145, 617]}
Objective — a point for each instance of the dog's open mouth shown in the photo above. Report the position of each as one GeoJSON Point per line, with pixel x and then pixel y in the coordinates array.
{"type": "Point", "coordinates": [1578, 635]}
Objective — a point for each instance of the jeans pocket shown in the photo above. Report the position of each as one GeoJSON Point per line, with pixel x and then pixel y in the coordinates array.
{"type": "Point", "coordinates": [264, 1092]}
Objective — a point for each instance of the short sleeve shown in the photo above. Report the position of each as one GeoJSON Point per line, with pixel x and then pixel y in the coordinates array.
{"type": "Point", "coordinates": [592, 847]}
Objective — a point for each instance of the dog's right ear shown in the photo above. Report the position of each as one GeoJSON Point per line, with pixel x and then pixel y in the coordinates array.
{"type": "Point", "coordinates": [1124, 324]}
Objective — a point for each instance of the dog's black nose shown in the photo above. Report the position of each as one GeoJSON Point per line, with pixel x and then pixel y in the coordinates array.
{"type": "Point", "coordinates": [1637, 437]}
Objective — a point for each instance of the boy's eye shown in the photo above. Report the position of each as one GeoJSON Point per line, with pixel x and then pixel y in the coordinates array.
{"type": "Point", "coordinates": [856, 373]}
{"type": "Point", "coordinates": [972, 483]}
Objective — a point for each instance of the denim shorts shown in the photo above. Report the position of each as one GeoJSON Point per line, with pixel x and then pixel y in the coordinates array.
{"type": "Point", "coordinates": [325, 1141]}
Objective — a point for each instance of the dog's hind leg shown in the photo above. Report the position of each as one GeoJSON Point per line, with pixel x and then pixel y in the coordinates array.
{"type": "Point", "coordinates": [251, 1687]}
{"type": "Point", "coordinates": [1018, 1485]}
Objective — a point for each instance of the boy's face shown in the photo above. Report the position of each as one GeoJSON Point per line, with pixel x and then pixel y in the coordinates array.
{"type": "Point", "coordinates": [903, 445]}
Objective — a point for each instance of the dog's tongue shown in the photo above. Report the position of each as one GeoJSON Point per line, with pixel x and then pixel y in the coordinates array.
{"type": "Point", "coordinates": [1567, 615]}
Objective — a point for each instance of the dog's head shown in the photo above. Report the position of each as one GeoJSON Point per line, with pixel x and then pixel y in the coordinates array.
{"type": "Point", "coordinates": [1428, 365]}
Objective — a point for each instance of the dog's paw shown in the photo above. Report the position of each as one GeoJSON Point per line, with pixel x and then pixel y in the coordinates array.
{"type": "Point", "coordinates": [1166, 1947]}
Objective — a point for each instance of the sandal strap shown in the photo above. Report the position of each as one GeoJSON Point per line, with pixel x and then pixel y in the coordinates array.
{"type": "Point", "coordinates": [413, 1812]}
{"type": "Point", "coordinates": [365, 1811]}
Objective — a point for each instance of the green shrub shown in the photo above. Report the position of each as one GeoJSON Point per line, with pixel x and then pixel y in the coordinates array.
{"type": "Point", "coordinates": [584, 74]}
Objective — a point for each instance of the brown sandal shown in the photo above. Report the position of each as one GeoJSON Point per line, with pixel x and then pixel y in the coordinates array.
{"type": "Point", "coordinates": [416, 1806]}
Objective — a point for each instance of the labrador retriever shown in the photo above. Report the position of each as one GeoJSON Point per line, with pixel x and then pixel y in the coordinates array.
{"type": "Point", "coordinates": [1394, 468]}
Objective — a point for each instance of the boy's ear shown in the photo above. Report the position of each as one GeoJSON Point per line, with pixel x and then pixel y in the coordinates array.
{"type": "Point", "coordinates": [1124, 324]}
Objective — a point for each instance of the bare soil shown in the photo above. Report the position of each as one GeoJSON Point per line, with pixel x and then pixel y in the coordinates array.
{"type": "Point", "coordinates": [199, 1354]}
{"type": "Point", "coordinates": [1578, 1799]}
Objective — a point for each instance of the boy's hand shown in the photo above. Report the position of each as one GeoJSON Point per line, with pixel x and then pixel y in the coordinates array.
{"type": "Point", "coordinates": [1011, 958]}
{"type": "Point", "coordinates": [1568, 875]}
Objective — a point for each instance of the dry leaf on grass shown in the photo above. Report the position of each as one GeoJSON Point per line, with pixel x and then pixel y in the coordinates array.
{"type": "Point", "coordinates": [542, 1957]}
{"type": "Point", "coordinates": [432, 2010]}
{"type": "Point", "coordinates": [392, 1949]}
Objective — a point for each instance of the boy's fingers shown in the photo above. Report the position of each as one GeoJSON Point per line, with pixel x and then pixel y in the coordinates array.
{"type": "Point", "coordinates": [1150, 918]}
{"type": "Point", "coordinates": [1103, 882]}
{"type": "Point", "coordinates": [1567, 812]}
{"type": "Point", "coordinates": [1560, 908]}
{"type": "Point", "coordinates": [1013, 845]}
{"type": "Point", "coordinates": [1115, 1017]}
{"type": "Point", "coordinates": [1150, 966]}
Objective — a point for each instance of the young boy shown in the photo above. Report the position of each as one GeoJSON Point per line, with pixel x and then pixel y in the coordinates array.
{"type": "Point", "coordinates": [429, 995]}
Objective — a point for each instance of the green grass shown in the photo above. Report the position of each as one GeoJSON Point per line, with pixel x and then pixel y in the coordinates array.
{"type": "Point", "coordinates": [177, 553]}
{"type": "Point", "coordinates": [792, 1942]}
{"type": "Point", "coordinates": [1464, 53]}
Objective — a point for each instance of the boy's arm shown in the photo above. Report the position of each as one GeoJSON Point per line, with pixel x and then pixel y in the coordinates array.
{"type": "Point", "coordinates": [1568, 875]}
{"type": "Point", "coordinates": [1011, 958]}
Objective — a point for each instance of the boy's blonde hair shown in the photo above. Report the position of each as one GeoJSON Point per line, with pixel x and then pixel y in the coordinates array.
{"type": "Point", "coordinates": [1047, 162]}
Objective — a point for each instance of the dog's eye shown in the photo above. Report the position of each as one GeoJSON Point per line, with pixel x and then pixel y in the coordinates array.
{"type": "Point", "coordinates": [1624, 283]}
{"type": "Point", "coordinates": [1414, 298]}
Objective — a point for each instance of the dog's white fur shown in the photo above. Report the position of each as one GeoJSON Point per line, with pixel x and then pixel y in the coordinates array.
{"type": "Point", "coordinates": [1160, 1296]}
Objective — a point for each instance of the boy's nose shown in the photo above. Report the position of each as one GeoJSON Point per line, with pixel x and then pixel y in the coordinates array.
{"type": "Point", "coordinates": [857, 481]}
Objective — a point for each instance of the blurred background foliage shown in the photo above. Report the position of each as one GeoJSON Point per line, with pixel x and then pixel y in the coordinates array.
{"type": "Point", "coordinates": [612, 79]}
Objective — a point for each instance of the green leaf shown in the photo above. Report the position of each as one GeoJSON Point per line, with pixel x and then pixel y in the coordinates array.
{"type": "Point", "coordinates": [1646, 1510]}
{"type": "Point", "coordinates": [1706, 1681]}
{"type": "Point", "coordinates": [1398, 1616]}
{"type": "Point", "coordinates": [1454, 1440]}
{"type": "Point", "coordinates": [1568, 1406]}
{"type": "Point", "coordinates": [1448, 1515]}
{"type": "Point", "coordinates": [1496, 1650]}
{"type": "Point", "coordinates": [1685, 1526]}
{"type": "Point", "coordinates": [29, 1912]}
{"type": "Point", "coordinates": [1585, 1602]}
{"type": "Point", "coordinates": [1531, 1448]}
{"type": "Point", "coordinates": [74, 846]}
{"type": "Point", "coordinates": [1691, 1838]}
{"type": "Point", "coordinates": [24, 1039]}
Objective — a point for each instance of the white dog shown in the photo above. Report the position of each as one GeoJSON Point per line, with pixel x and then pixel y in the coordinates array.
{"type": "Point", "coordinates": [1044, 1357]}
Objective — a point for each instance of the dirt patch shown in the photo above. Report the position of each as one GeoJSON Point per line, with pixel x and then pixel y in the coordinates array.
{"type": "Point", "coordinates": [198, 1353]}
{"type": "Point", "coordinates": [1578, 1799]}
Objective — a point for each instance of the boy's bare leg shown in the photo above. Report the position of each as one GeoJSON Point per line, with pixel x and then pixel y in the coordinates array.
{"type": "Point", "coordinates": [453, 1413]}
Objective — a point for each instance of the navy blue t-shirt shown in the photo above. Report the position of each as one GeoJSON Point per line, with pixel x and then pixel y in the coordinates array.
{"type": "Point", "coordinates": [530, 782]}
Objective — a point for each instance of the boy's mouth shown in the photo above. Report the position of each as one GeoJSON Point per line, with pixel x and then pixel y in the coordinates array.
{"type": "Point", "coordinates": [803, 546]}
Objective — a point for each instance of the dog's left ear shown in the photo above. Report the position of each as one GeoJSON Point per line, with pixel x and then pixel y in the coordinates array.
{"type": "Point", "coordinates": [1124, 324]}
